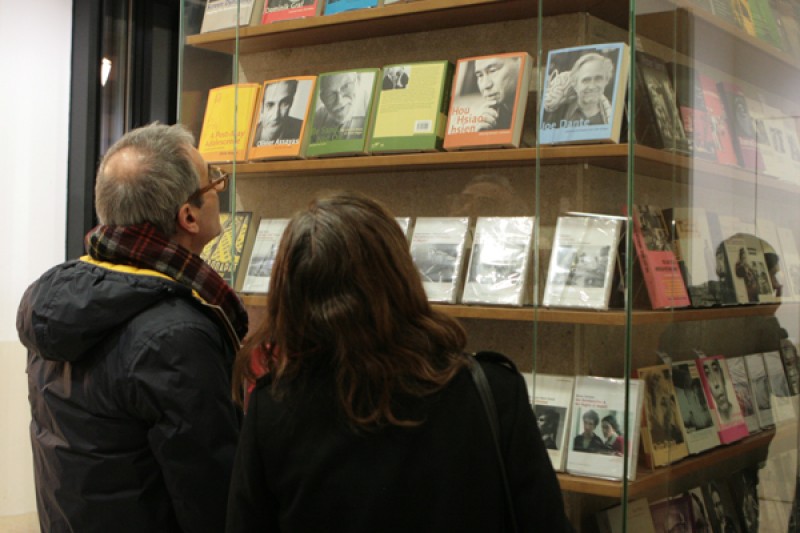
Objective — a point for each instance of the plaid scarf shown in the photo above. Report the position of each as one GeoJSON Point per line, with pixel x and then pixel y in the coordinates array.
{"type": "Point", "coordinates": [144, 246]}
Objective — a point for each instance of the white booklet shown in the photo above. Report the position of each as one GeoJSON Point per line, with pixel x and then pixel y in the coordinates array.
{"type": "Point", "coordinates": [552, 402]}
{"type": "Point", "coordinates": [262, 257]}
{"type": "Point", "coordinates": [701, 433]}
{"type": "Point", "coordinates": [437, 246]}
{"type": "Point", "coordinates": [597, 401]}
{"type": "Point", "coordinates": [500, 261]}
{"type": "Point", "coordinates": [582, 262]}
{"type": "Point", "coordinates": [759, 384]}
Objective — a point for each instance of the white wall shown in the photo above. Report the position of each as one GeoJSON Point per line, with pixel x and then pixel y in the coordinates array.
{"type": "Point", "coordinates": [35, 44]}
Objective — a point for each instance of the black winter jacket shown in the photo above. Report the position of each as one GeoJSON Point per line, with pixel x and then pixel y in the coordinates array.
{"type": "Point", "coordinates": [133, 427]}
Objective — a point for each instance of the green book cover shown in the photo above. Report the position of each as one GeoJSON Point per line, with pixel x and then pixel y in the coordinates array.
{"type": "Point", "coordinates": [342, 113]}
{"type": "Point", "coordinates": [411, 107]}
{"type": "Point", "coordinates": [764, 22]}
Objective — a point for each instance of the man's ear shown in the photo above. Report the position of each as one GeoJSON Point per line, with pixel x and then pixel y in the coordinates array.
{"type": "Point", "coordinates": [187, 221]}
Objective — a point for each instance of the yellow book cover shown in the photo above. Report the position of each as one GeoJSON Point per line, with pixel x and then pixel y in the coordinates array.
{"type": "Point", "coordinates": [224, 253]}
{"type": "Point", "coordinates": [280, 122]}
{"type": "Point", "coordinates": [230, 108]}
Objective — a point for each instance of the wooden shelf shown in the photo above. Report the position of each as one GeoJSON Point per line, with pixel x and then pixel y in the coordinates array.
{"type": "Point", "coordinates": [657, 483]}
{"type": "Point", "coordinates": [394, 19]}
{"type": "Point", "coordinates": [647, 161]}
{"type": "Point", "coordinates": [577, 316]}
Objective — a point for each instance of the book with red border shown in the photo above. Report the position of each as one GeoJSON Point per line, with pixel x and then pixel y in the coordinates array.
{"type": "Point", "coordinates": [721, 397]}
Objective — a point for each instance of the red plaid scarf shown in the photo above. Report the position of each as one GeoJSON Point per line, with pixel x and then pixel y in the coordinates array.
{"type": "Point", "coordinates": [144, 246]}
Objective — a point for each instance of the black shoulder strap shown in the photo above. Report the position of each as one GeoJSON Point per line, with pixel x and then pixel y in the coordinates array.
{"type": "Point", "coordinates": [487, 398]}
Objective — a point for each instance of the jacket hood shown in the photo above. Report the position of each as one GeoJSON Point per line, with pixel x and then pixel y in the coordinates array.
{"type": "Point", "coordinates": [75, 305]}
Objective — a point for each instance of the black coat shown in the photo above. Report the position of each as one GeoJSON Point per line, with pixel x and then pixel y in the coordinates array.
{"type": "Point", "coordinates": [129, 382]}
{"type": "Point", "coordinates": [300, 469]}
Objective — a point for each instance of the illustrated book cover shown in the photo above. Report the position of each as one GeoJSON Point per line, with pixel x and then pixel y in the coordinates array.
{"type": "Point", "coordinates": [341, 113]}
{"type": "Point", "coordinates": [599, 399]}
{"type": "Point", "coordinates": [438, 247]}
{"type": "Point", "coordinates": [759, 384]}
{"type": "Point", "coordinates": [694, 115]}
{"type": "Point", "coordinates": [721, 397]}
{"type": "Point", "coordinates": [552, 403]}
{"type": "Point", "coordinates": [221, 14]}
{"type": "Point", "coordinates": [692, 244]}
{"type": "Point", "coordinates": [659, 122]}
{"type": "Point", "coordinates": [281, 118]}
{"type": "Point", "coordinates": [744, 394]}
{"type": "Point", "coordinates": [224, 252]}
{"type": "Point", "coordinates": [489, 97]}
{"type": "Point", "coordinates": [339, 6]}
{"type": "Point", "coordinates": [583, 261]}
{"type": "Point", "coordinates": [500, 262]}
{"type": "Point", "coordinates": [411, 107]}
{"type": "Point", "coordinates": [583, 99]}
{"type": "Point", "coordinates": [698, 422]}
{"type": "Point", "coordinates": [720, 125]}
{"type": "Point", "coordinates": [659, 266]}
{"type": "Point", "coordinates": [262, 256]}
{"type": "Point", "coordinates": [663, 434]}
{"type": "Point", "coordinates": [227, 122]}
{"type": "Point", "coordinates": [277, 10]}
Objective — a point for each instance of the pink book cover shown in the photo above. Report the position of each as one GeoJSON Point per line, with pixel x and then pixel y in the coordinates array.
{"type": "Point", "coordinates": [719, 122]}
{"type": "Point", "coordinates": [721, 396]}
{"type": "Point", "coordinates": [660, 270]}
{"type": "Point", "coordinates": [275, 10]}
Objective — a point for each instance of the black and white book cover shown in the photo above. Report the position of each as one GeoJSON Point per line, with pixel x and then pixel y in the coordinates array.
{"type": "Point", "coordinates": [759, 384]}
{"type": "Point", "coordinates": [656, 96]}
{"type": "Point", "coordinates": [781, 397]}
{"type": "Point", "coordinates": [698, 422]}
{"type": "Point", "coordinates": [438, 248]}
{"type": "Point", "coordinates": [582, 262]}
{"type": "Point", "coordinates": [262, 257]}
{"type": "Point", "coordinates": [552, 403]}
{"type": "Point", "coordinates": [744, 394]}
{"type": "Point", "coordinates": [500, 261]}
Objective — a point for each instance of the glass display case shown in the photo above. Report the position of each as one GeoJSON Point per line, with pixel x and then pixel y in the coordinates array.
{"type": "Point", "coordinates": [695, 195]}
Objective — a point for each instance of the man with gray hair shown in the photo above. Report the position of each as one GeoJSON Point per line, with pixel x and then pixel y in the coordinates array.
{"type": "Point", "coordinates": [130, 350]}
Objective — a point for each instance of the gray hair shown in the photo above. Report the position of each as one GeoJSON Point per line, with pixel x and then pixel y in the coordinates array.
{"type": "Point", "coordinates": [152, 189]}
{"type": "Point", "coordinates": [606, 63]}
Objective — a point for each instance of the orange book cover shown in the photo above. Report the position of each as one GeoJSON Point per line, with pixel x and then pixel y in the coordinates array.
{"type": "Point", "coordinates": [280, 121]}
{"type": "Point", "coordinates": [227, 122]}
{"type": "Point", "coordinates": [489, 97]}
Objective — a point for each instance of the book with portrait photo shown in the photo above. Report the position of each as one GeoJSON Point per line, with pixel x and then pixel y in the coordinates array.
{"type": "Point", "coordinates": [721, 397]}
{"type": "Point", "coordinates": [277, 10]}
{"type": "Point", "coordinates": [221, 14]}
{"type": "Point", "coordinates": [227, 106]}
{"type": "Point", "coordinates": [333, 7]}
{"type": "Point", "coordinates": [658, 121]}
{"type": "Point", "coordinates": [663, 434]}
{"type": "Point", "coordinates": [583, 99]}
{"type": "Point", "coordinates": [225, 251]}
{"type": "Point", "coordinates": [499, 268]}
{"type": "Point", "coordinates": [744, 491]}
{"type": "Point", "coordinates": [750, 274]}
{"type": "Point", "coordinates": [598, 400]}
{"type": "Point", "coordinates": [744, 393]}
{"type": "Point", "coordinates": [657, 261]}
{"type": "Point", "coordinates": [693, 112]}
{"type": "Point", "coordinates": [262, 255]}
{"type": "Point", "coordinates": [488, 102]}
{"type": "Point", "coordinates": [775, 257]}
{"type": "Point", "coordinates": [583, 261]}
{"type": "Point", "coordinates": [721, 507]}
{"type": "Point", "coordinates": [438, 247]}
{"type": "Point", "coordinates": [759, 385]}
{"type": "Point", "coordinates": [698, 423]}
{"type": "Point", "coordinates": [341, 113]}
{"type": "Point", "coordinates": [280, 123]}
{"type": "Point", "coordinates": [552, 403]}
{"type": "Point", "coordinates": [411, 107]}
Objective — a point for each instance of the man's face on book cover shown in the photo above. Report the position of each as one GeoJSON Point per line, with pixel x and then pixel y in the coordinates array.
{"type": "Point", "coordinates": [497, 78]}
{"type": "Point", "coordinates": [338, 93]}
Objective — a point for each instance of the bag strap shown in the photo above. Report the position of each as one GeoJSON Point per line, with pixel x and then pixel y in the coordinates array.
{"type": "Point", "coordinates": [485, 392]}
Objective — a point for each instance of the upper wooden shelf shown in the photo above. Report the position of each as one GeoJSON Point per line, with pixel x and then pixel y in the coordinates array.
{"type": "Point", "coordinates": [394, 19]}
{"type": "Point", "coordinates": [646, 161]}
{"type": "Point", "coordinates": [577, 316]}
{"type": "Point", "coordinates": [683, 475]}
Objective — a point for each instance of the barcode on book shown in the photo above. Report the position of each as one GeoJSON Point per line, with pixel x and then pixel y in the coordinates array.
{"type": "Point", "coordinates": [423, 126]}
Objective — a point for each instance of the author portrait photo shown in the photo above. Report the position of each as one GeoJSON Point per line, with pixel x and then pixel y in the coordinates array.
{"type": "Point", "coordinates": [275, 123]}
{"type": "Point", "coordinates": [486, 92]}
{"type": "Point", "coordinates": [342, 106]}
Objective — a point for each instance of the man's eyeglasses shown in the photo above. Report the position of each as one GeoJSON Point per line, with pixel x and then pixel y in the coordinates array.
{"type": "Point", "coordinates": [217, 180]}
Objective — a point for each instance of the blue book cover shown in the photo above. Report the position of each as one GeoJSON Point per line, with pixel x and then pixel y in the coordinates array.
{"type": "Point", "coordinates": [583, 99]}
{"type": "Point", "coordinates": [338, 6]}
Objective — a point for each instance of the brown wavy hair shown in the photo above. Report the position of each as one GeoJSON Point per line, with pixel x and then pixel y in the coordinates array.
{"type": "Point", "coordinates": [346, 297]}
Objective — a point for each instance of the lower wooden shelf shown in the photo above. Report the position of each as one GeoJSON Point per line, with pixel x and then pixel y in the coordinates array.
{"type": "Point", "coordinates": [679, 476]}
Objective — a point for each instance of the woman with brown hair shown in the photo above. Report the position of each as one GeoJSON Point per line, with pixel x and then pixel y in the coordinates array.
{"type": "Point", "coordinates": [368, 419]}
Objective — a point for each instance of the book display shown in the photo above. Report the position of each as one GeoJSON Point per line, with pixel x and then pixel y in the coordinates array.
{"type": "Point", "coordinates": [278, 130]}
{"type": "Point", "coordinates": [584, 250]}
